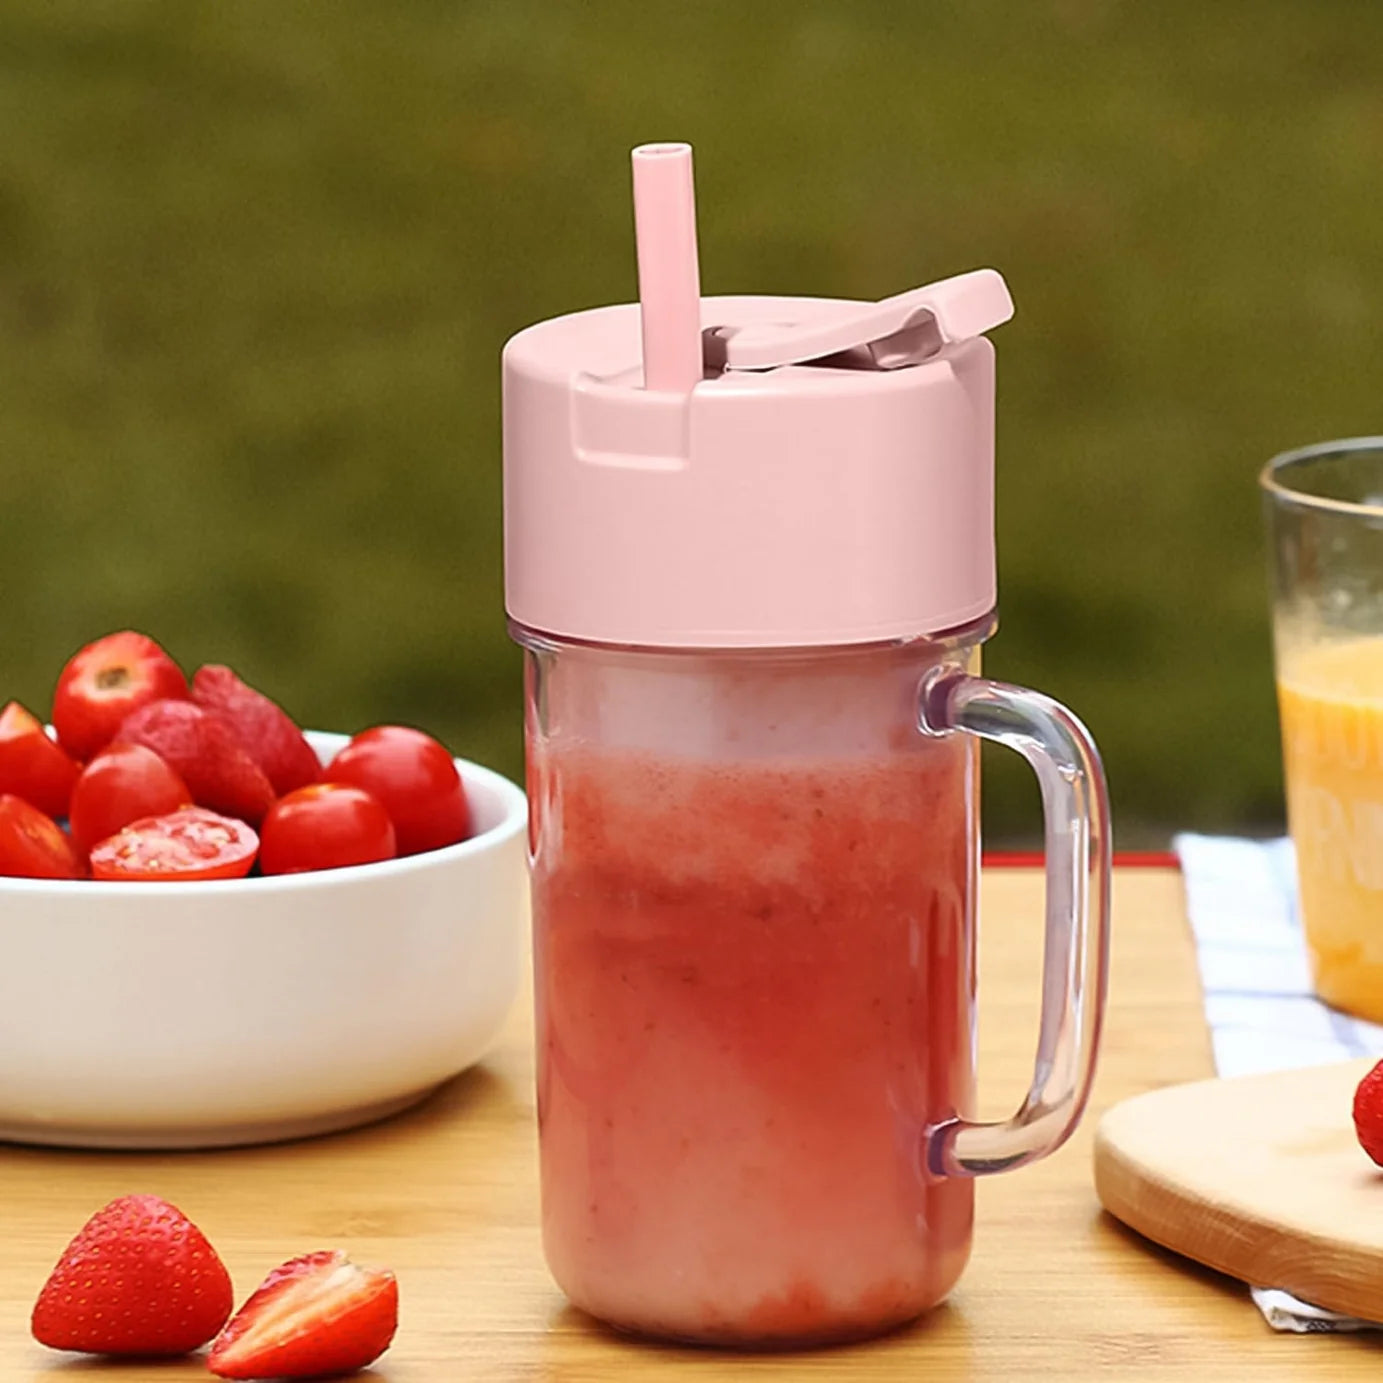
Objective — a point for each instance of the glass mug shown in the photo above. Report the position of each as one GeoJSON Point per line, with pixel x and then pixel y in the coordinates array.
{"type": "Point", "coordinates": [754, 893]}
{"type": "Point", "coordinates": [1324, 508]}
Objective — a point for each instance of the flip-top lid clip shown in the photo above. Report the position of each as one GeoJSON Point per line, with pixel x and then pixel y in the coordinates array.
{"type": "Point", "coordinates": [898, 331]}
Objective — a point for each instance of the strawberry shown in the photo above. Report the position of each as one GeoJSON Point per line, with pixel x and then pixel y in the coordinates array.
{"type": "Point", "coordinates": [1368, 1113]}
{"type": "Point", "coordinates": [204, 752]}
{"type": "Point", "coordinates": [266, 731]}
{"type": "Point", "coordinates": [315, 1315]}
{"type": "Point", "coordinates": [140, 1278]}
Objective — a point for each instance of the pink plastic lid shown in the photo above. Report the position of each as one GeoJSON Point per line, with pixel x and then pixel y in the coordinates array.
{"type": "Point", "coordinates": [736, 472]}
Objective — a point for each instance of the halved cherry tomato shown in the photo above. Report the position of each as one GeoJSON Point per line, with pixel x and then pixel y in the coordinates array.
{"type": "Point", "coordinates": [123, 783]}
{"type": "Point", "coordinates": [106, 681]}
{"type": "Point", "coordinates": [324, 826]}
{"type": "Point", "coordinates": [416, 780]}
{"type": "Point", "coordinates": [184, 845]}
{"type": "Point", "coordinates": [32, 845]}
{"type": "Point", "coordinates": [31, 765]}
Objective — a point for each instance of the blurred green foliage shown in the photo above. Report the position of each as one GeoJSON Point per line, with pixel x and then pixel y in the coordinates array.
{"type": "Point", "coordinates": [257, 262]}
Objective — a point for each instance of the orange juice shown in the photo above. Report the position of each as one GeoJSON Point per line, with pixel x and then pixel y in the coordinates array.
{"type": "Point", "coordinates": [1331, 701]}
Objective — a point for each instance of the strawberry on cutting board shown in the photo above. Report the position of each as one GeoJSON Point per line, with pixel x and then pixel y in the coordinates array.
{"type": "Point", "coordinates": [139, 1278]}
{"type": "Point", "coordinates": [1368, 1113]}
{"type": "Point", "coordinates": [315, 1316]}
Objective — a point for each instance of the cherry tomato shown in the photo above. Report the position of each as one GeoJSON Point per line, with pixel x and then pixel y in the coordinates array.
{"type": "Point", "coordinates": [180, 846]}
{"type": "Point", "coordinates": [325, 826]}
{"type": "Point", "coordinates": [416, 780]}
{"type": "Point", "coordinates": [31, 765]}
{"type": "Point", "coordinates": [32, 845]}
{"type": "Point", "coordinates": [104, 682]}
{"type": "Point", "coordinates": [123, 783]}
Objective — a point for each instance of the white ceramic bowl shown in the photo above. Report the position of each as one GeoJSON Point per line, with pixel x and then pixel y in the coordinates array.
{"type": "Point", "coordinates": [246, 1010]}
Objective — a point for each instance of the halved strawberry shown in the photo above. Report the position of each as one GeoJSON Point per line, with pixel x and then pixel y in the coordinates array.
{"type": "Point", "coordinates": [204, 752]}
{"type": "Point", "coordinates": [267, 732]}
{"type": "Point", "coordinates": [315, 1315]}
{"type": "Point", "coordinates": [139, 1278]}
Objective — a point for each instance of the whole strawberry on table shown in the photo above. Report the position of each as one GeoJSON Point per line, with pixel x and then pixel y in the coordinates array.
{"type": "Point", "coordinates": [158, 779]}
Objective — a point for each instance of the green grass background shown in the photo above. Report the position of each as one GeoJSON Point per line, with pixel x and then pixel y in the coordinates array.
{"type": "Point", "coordinates": [258, 259]}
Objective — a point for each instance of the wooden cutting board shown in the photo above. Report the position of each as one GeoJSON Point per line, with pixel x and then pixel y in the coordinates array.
{"type": "Point", "coordinates": [1260, 1177]}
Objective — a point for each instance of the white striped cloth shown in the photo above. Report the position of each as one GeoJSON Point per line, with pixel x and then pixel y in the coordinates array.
{"type": "Point", "coordinates": [1241, 896]}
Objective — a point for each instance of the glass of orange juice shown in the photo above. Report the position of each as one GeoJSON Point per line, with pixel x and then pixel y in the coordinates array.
{"type": "Point", "coordinates": [1325, 522]}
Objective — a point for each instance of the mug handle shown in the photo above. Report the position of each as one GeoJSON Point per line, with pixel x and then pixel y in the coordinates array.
{"type": "Point", "coordinates": [1075, 969]}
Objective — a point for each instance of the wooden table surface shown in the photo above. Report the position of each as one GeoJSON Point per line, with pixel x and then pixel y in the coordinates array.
{"type": "Point", "coordinates": [446, 1195]}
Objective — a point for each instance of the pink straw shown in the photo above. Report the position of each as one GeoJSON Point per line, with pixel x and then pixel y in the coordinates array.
{"type": "Point", "coordinates": [669, 275]}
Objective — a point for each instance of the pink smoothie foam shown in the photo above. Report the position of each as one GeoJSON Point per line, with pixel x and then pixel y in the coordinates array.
{"type": "Point", "coordinates": [754, 987]}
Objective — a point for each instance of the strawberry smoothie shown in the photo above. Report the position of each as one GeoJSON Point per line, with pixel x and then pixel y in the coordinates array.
{"type": "Point", "coordinates": [754, 988]}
